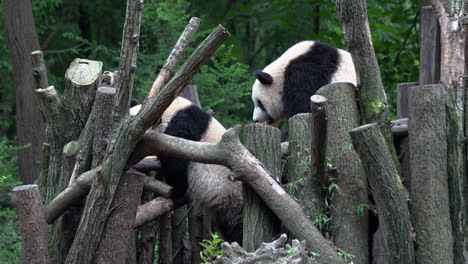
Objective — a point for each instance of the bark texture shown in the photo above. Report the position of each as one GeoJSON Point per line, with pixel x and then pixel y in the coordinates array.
{"type": "Point", "coordinates": [28, 205]}
{"type": "Point", "coordinates": [457, 181]}
{"type": "Point", "coordinates": [22, 40]}
{"type": "Point", "coordinates": [259, 223]}
{"type": "Point", "coordinates": [388, 192]}
{"type": "Point", "coordinates": [429, 179]}
{"type": "Point", "coordinates": [114, 246]}
{"type": "Point", "coordinates": [349, 214]}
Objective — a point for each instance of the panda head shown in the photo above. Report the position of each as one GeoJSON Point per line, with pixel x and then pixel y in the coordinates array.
{"type": "Point", "coordinates": [266, 96]}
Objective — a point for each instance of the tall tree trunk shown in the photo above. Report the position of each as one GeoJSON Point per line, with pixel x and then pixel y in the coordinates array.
{"type": "Point", "coordinates": [22, 40]}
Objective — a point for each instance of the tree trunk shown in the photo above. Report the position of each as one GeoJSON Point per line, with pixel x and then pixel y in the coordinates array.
{"type": "Point", "coordinates": [259, 223]}
{"type": "Point", "coordinates": [165, 240]}
{"type": "Point", "coordinates": [387, 190]}
{"type": "Point", "coordinates": [429, 180]}
{"type": "Point", "coordinates": [179, 224]}
{"type": "Point", "coordinates": [456, 165]}
{"type": "Point", "coordinates": [429, 53]}
{"type": "Point", "coordinates": [30, 128]}
{"type": "Point", "coordinates": [349, 211]}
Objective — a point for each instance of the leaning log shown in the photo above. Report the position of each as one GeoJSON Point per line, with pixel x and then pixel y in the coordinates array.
{"type": "Point", "coordinates": [388, 193]}
{"type": "Point", "coordinates": [429, 179]}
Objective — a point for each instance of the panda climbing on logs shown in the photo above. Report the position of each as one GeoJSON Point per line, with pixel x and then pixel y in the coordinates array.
{"type": "Point", "coordinates": [284, 87]}
{"type": "Point", "coordinates": [204, 184]}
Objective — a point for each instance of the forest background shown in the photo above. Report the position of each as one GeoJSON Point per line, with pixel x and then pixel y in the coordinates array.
{"type": "Point", "coordinates": [261, 31]}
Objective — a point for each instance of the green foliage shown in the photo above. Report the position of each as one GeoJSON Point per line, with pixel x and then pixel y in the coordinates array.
{"type": "Point", "coordinates": [322, 220]}
{"type": "Point", "coordinates": [10, 240]}
{"type": "Point", "coordinates": [211, 249]}
{"type": "Point", "coordinates": [224, 85]}
{"type": "Point", "coordinates": [314, 254]}
{"type": "Point", "coordinates": [360, 209]}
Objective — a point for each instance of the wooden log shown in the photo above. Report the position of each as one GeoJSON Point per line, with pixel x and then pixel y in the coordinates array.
{"type": "Point", "coordinates": [387, 190]}
{"type": "Point", "coordinates": [81, 83]}
{"type": "Point", "coordinates": [402, 98]}
{"type": "Point", "coordinates": [148, 234]}
{"type": "Point", "coordinates": [152, 209]}
{"type": "Point", "coordinates": [39, 69]}
{"type": "Point", "coordinates": [165, 240]}
{"type": "Point", "coordinates": [350, 219]}
{"type": "Point", "coordinates": [315, 182]}
{"type": "Point", "coordinates": [456, 165]}
{"type": "Point", "coordinates": [196, 233]}
{"type": "Point", "coordinates": [115, 241]}
{"type": "Point", "coordinates": [179, 224]}
{"type": "Point", "coordinates": [28, 205]}
{"type": "Point", "coordinates": [298, 162]}
{"type": "Point", "coordinates": [429, 190]}
{"type": "Point", "coordinates": [259, 223]}
{"type": "Point", "coordinates": [102, 123]}
{"type": "Point", "coordinates": [75, 193]}
{"type": "Point", "coordinates": [190, 92]}
{"type": "Point", "coordinates": [429, 54]}
{"type": "Point", "coordinates": [128, 60]}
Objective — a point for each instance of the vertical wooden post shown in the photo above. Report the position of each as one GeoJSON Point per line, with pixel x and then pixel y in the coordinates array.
{"type": "Point", "coordinates": [402, 98]}
{"type": "Point", "coordinates": [259, 222]}
{"type": "Point", "coordinates": [429, 56]}
{"type": "Point", "coordinates": [178, 234]}
{"type": "Point", "coordinates": [348, 206]}
{"type": "Point", "coordinates": [429, 179]}
{"type": "Point", "coordinates": [165, 239]}
{"type": "Point", "coordinates": [33, 227]}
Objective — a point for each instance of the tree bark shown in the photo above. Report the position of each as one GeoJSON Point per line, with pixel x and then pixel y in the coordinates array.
{"type": "Point", "coordinates": [259, 223]}
{"type": "Point", "coordinates": [429, 53]}
{"type": "Point", "coordinates": [179, 225]}
{"type": "Point", "coordinates": [429, 190]}
{"type": "Point", "coordinates": [22, 40]}
{"type": "Point", "coordinates": [152, 209]}
{"type": "Point", "coordinates": [114, 246]}
{"type": "Point", "coordinates": [349, 211]}
{"type": "Point", "coordinates": [35, 245]}
{"type": "Point", "coordinates": [165, 241]}
{"type": "Point", "coordinates": [456, 165]}
{"type": "Point", "coordinates": [148, 235]}
{"type": "Point", "coordinates": [387, 190]}
{"type": "Point", "coordinates": [357, 35]}
{"type": "Point", "coordinates": [452, 40]}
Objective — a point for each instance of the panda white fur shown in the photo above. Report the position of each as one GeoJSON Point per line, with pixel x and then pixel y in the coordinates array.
{"type": "Point", "coordinates": [205, 184]}
{"type": "Point", "coordinates": [284, 87]}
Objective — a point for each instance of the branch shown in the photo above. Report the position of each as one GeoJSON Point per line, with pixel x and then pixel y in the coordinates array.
{"type": "Point", "coordinates": [39, 69]}
{"type": "Point", "coordinates": [76, 192]}
{"type": "Point", "coordinates": [152, 209]}
{"type": "Point", "coordinates": [232, 154]}
{"type": "Point", "coordinates": [128, 58]}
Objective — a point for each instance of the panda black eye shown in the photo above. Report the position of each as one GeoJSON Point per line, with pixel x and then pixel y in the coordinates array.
{"type": "Point", "coordinates": [260, 105]}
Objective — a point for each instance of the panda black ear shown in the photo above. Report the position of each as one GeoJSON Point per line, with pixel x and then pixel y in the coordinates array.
{"type": "Point", "coordinates": [263, 77]}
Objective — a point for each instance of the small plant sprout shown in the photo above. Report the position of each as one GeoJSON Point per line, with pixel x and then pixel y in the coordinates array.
{"type": "Point", "coordinates": [211, 249]}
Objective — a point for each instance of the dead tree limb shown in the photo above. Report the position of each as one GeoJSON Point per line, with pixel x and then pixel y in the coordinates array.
{"type": "Point", "coordinates": [174, 57]}
{"type": "Point", "coordinates": [152, 209]}
{"type": "Point", "coordinates": [28, 205]}
{"type": "Point", "coordinates": [39, 69]}
{"type": "Point", "coordinates": [387, 190]}
{"type": "Point", "coordinates": [357, 35]}
{"type": "Point", "coordinates": [429, 180]}
{"type": "Point", "coordinates": [128, 59]}
{"type": "Point", "coordinates": [77, 191]}
{"type": "Point", "coordinates": [231, 153]}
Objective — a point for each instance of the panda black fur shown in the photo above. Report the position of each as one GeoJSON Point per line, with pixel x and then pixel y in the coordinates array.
{"type": "Point", "coordinates": [284, 87]}
{"type": "Point", "coordinates": [205, 184]}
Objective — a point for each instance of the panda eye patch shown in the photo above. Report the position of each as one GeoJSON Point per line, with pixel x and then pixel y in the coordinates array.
{"type": "Point", "coordinates": [260, 105]}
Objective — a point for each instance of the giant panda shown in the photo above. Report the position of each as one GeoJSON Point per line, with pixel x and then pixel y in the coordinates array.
{"type": "Point", "coordinates": [204, 184]}
{"type": "Point", "coordinates": [284, 87]}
